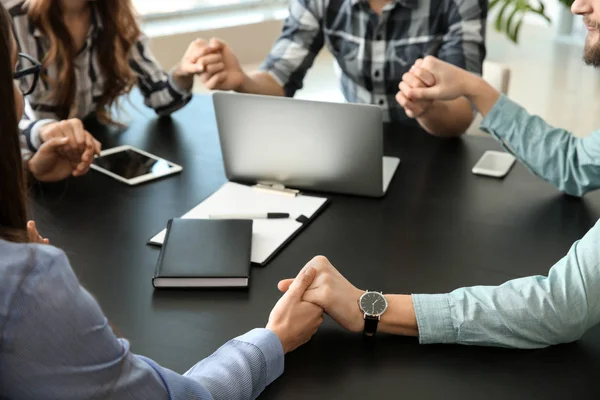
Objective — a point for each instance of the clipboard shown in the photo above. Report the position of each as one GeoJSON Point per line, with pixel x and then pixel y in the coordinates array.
{"type": "Point", "coordinates": [269, 236]}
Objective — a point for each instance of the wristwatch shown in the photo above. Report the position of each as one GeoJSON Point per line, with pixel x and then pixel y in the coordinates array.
{"type": "Point", "coordinates": [373, 305]}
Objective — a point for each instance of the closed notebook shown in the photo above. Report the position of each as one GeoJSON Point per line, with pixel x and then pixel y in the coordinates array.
{"type": "Point", "coordinates": [205, 253]}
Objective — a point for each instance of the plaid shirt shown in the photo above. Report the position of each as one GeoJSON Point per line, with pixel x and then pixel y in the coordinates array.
{"type": "Point", "coordinates": [374, 51]}
{"type": "Point", "coordinates": [156, 85]}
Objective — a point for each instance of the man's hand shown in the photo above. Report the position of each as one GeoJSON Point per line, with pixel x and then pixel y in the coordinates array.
{"type": "Point", "coordinates": [50, 163]}
{"type": "Point", "coordinates": [410, 80]}
{"type": "Point", "coordinates": [442, 81]}
{"type": "Point", "coordinates": [221, 68]}
{"type": "Point", "coordinates": [199, 58]}
{"type": "Point", "coordinates": [294, 320]}
{"type": "Point", "coordinates": [80, 141]}
{"type": "Point", "coordinates": [33, 234]}
{"type": "Point", "coordinates": [331, 291]}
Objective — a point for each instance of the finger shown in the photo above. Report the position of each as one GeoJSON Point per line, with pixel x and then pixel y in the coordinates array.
{"type": "Point", "coordinates": [207, 77]}
{"type": "Point", "coordinates": [217, 44]}
{"type": "Point", "coordinates": [401, 99]}
{"type": "Point", "coordinates": [301, 283]}
{"type": "Point", "coordinates": [411, 108]}
{"type": "Point", "coordinates": [31, 231]}
{"type": "Point", "coordinates": [198, 63]}
{"type": "Point", "coordinates": [412, 80]}
{"type": "Point", "coordinates": [214, 68]}
{"type": "Point", "coordinates": [79, 134]}
{"type": "Point", "coordinates": [81, 169]}
{"type": "Point", "coordinates": [284, 285]}
{"type": "Point", "coordinates": [50, 131]}
{"type": "Point", "coordinates": [424, 75]}
{"type": "Point", "coordinates": [209, 59]}
{"type": "Point", "coordinates": [205, 64]}
{"type": "Point", "coordinates": [418, 62]}
{"type": "Point", "coordinates": [216, 79]}
{"type": "Point", "coordinates": [429, 93]}
{"type": "Point", "coordinates": [46, 241]}
{"type": "Point", "coordinates": [406, 90]}
{"type": "Point", "coordinates": [33, 235]}
{"type": "Point", "coordinates": [56, 145]}
{"type": "Point", "coordinates": [88, 153]}
{"type": "Point", "coordinates": [197, 48]}
{"type": "Point", "coordinates": [68, 131]}
{"type": "Point", "coordinates": [97, 147]}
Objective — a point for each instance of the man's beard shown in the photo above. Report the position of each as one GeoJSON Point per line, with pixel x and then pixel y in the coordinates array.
{"type": "Point", "coordinates": [591, 53]}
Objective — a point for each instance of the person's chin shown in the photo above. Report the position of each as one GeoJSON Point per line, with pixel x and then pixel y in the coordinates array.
{"type": "Point", "coordinates": [591, 51]}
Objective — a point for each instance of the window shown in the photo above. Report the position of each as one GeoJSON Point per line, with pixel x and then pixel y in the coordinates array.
{"type": "Point", "coordinates": [162, 7]}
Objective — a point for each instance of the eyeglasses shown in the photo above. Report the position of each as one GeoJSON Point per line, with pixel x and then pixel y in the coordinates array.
{"type": "Point", "coordinates": [28, 66]}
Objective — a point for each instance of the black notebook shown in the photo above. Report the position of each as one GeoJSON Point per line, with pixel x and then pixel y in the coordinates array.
{"type": "Point", "coordinates": [205, 253]}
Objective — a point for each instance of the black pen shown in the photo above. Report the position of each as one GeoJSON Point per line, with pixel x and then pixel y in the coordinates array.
{"type": "Point", "coordinates": [250, 216]}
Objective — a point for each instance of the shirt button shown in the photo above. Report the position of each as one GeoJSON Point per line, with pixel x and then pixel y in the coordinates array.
{"type": "Point", "coordinates": [377, 74]}
{"type": "Point", "coordinates": [381, 102]}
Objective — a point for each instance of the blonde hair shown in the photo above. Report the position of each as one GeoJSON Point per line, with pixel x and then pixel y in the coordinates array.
{"type": "Point", "coordinates": [114, 46]}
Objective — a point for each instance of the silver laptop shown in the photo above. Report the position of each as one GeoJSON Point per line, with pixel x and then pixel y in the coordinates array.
{"type": "Point", "coordinates": [300, 144]}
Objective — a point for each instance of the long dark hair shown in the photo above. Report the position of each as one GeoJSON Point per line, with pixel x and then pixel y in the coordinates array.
{"type": "Point", "coordinates": [115, 44]}
{"type": "Point", "coordinates": [13, 208]}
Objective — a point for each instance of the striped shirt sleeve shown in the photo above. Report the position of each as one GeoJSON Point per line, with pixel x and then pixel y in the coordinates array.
{"type": "Point", "coordinates": [160, 91]}
{"type": "Point", "coordinates": [30, 128]}
{"type": "Point", "coordinates": [300, 42]}
{"type": "Point", "coordinates": [464, 43]}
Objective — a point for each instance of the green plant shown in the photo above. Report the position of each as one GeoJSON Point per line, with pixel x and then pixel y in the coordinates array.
{"type": "Point", "coordinates": [511, 13]}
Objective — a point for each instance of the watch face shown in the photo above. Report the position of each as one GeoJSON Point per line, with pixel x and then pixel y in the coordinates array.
{"type": "Point", "coordinates": [373, 303]}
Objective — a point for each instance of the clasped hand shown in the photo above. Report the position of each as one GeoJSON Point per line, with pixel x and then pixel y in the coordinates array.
{"type": "Point", "coordinates": [67, 149]}
{"type": "Point", "coordinates": [333, 293]}
{"type": "Point", "coordinates": [431, 79]}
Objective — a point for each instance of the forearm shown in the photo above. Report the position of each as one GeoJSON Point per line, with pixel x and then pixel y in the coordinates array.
{"type": "Point", "coordinates": [554, 154]}
{"type": "Point", "coordinates": [480, 93]}
{"type": "Point", "coordinates": [530, 312]}
{"type": "Point", "coordinates": [242, 368]}
{"type": "Point", "coordinates": [261, 82]}
{"type": "Point", "coordinates": [185, 82]}
{"type": "Point", "coordinates": [399, 319]}
{"type": "Point", "coordinates": [447, 118]}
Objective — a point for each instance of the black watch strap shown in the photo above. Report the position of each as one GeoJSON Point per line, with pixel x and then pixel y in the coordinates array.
{"type": "Point", "coordinates": [370, 325]}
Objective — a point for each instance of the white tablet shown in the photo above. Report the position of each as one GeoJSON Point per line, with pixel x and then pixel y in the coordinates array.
{"type": "Point", "coordinates": [133, 166]}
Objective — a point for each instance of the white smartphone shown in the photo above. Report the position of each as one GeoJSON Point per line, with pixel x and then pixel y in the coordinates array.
{"type": "Point", "coordinates": [494, 163]}
{"type": "Point", "coordinates": [133, 166]}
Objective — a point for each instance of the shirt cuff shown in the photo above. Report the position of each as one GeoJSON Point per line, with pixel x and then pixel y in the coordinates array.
{"type": "Point", "coordinates": [32, 133]}
{"type": "Point", "coordinates": [434, 318]}
{"type": "Point", "coordinates": [177, 88]}
{"type": "Point", "coordinates": [270, 345]}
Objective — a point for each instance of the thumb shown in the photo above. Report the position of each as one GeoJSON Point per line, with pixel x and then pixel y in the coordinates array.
{"type": "Point", "coordinates": [54, 143]}
{"type": "Point", "coordinates": [284, 285]}
{"type": "Point", "coordinates": [301, 283]}
{"type": "Point", "coordinates": [426, 93]}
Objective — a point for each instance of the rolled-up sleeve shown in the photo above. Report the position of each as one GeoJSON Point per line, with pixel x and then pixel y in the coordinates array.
{"type": "Point", "coordinates": [530, 312]}
{"type": "Point", "coordinates": [464, 43]}
{"type": "Point", "coordinates": [160, 91]}
{"type": "Point", "coordinates": [570, 163]}
{"type": "Point", "coordinates": [294, 52]}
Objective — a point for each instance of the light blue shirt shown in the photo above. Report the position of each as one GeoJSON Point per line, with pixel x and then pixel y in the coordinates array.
{"type": "Point", "coordinates": [535, 311]}
{"type": "Point", "coordinates": [56, 343]}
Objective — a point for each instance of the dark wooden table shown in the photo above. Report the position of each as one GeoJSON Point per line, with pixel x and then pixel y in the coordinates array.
{"type": "Point", "coordinates": [439, 228]}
